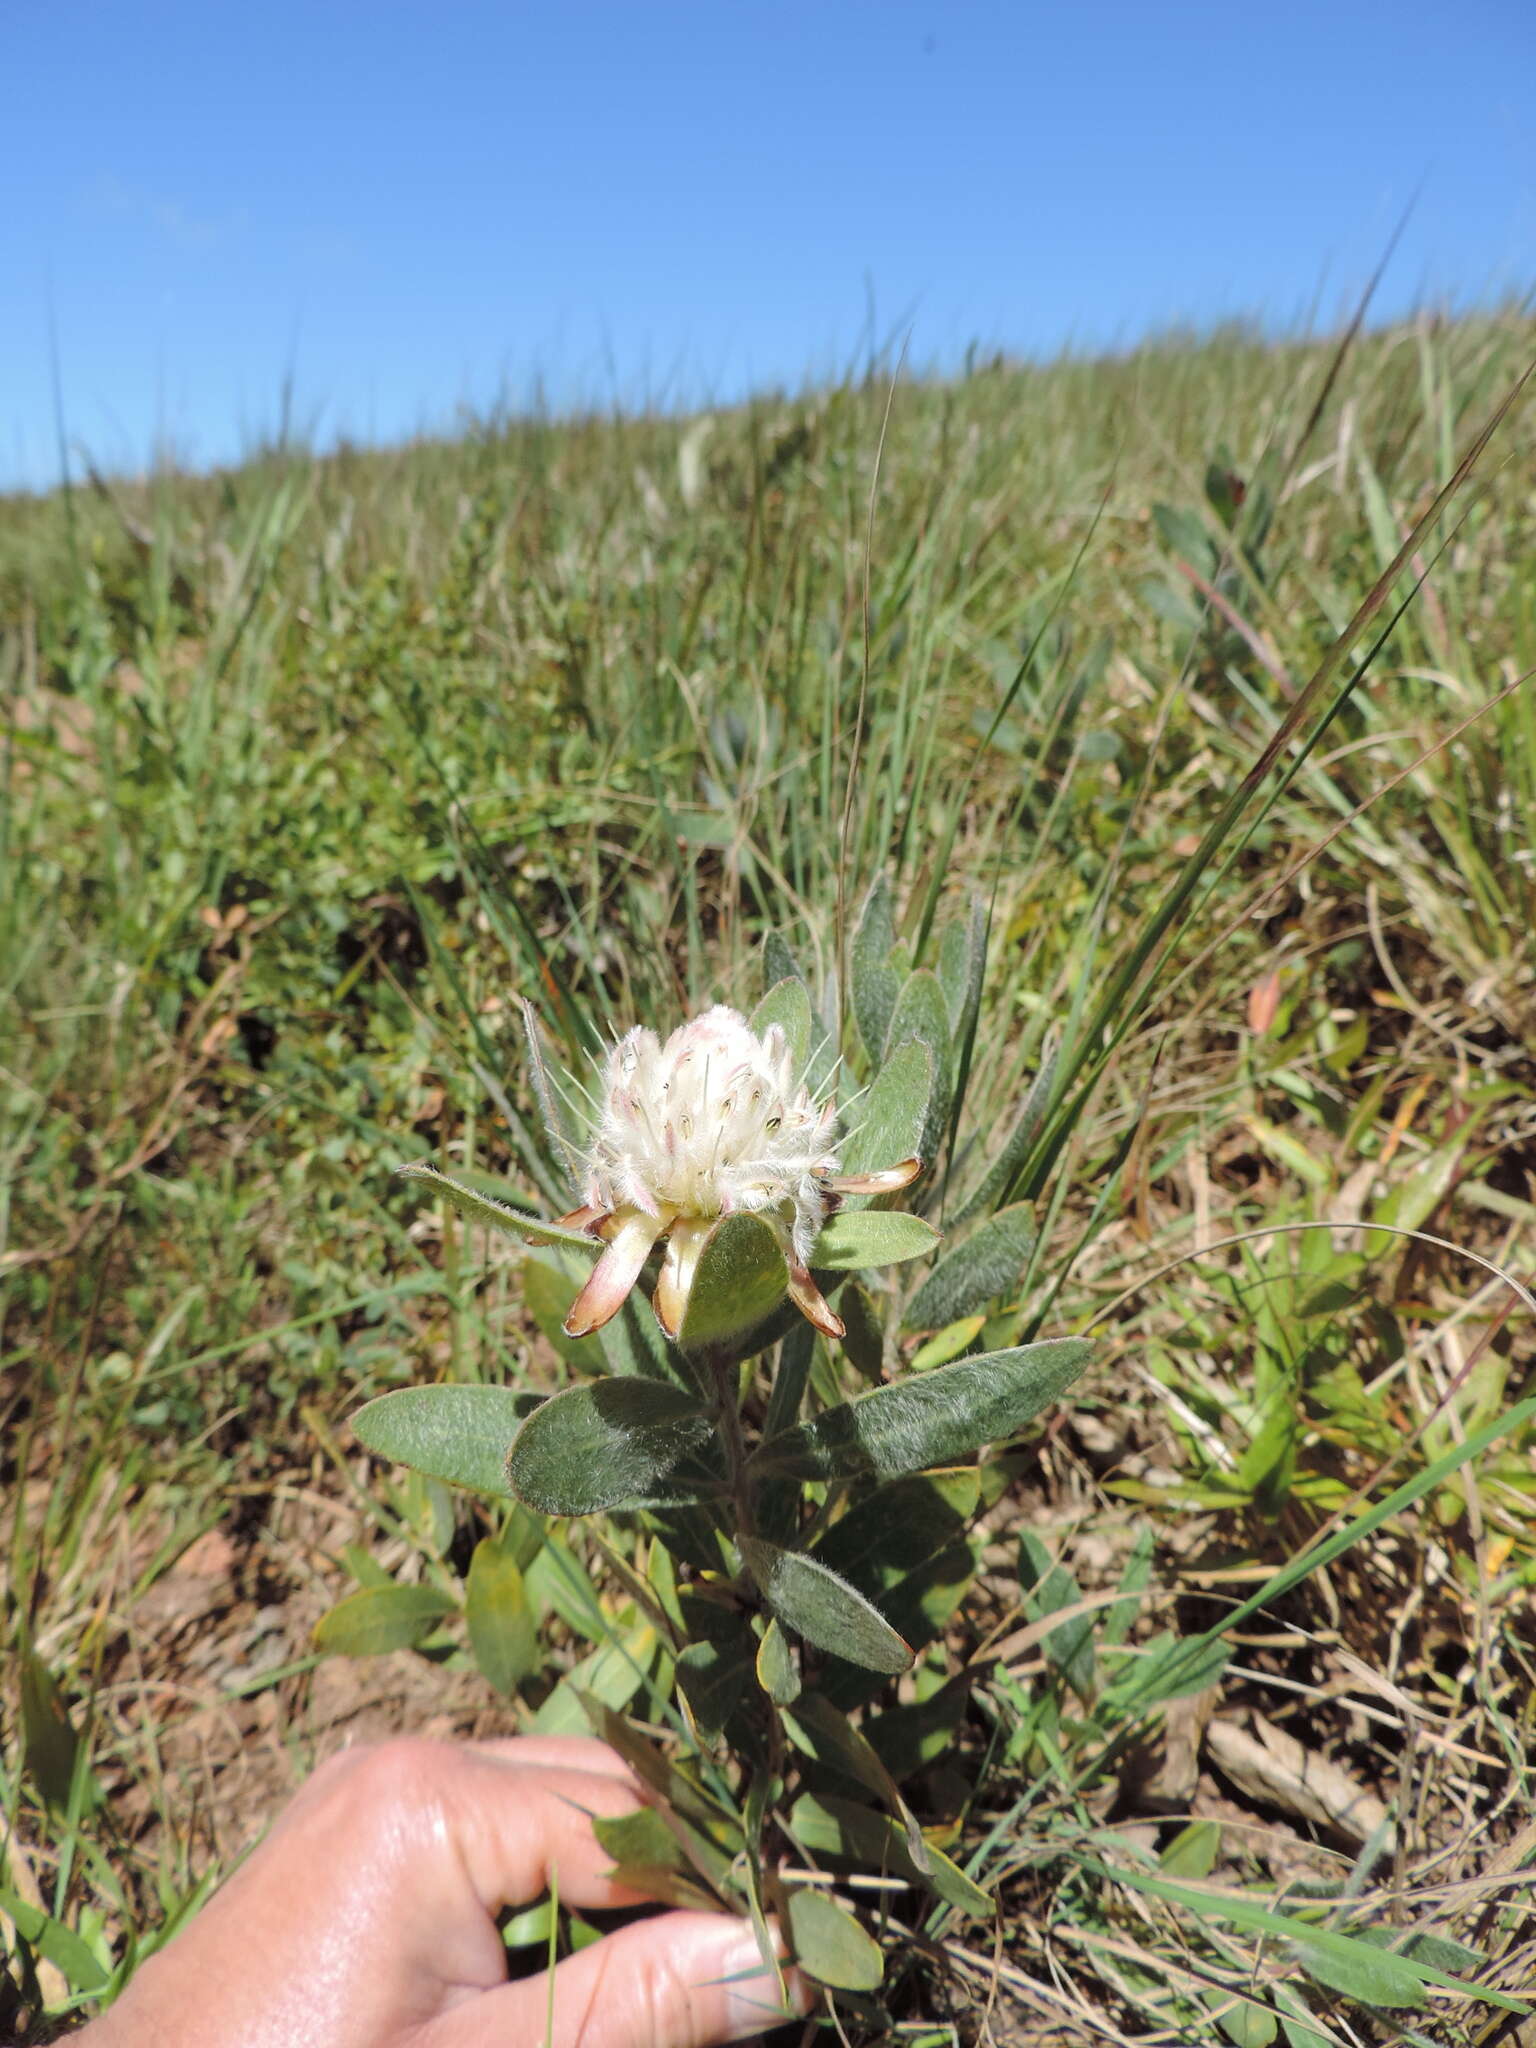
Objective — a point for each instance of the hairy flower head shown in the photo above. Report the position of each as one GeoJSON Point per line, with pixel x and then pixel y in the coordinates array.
{"type": "Point", "coordinates": [714, 1123]}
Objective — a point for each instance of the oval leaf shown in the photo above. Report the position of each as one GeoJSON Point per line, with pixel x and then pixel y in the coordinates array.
{"type": "Point", "coordinates": [502, 1630]}
{"type": "Point", "coordinates": [460, 1434]}
{"type": "Point", "coordinates": [830, 1945]}
{"type": "Point", "coordinates": [55, 1942]}
{"type": "Point", "coordinates": [778, 961]}
{"type": "Point", "coordinates": [894, 1530]}
{"type": "Point", "coordinates": [874, 978]}
{"type": "Point", "coordinates": [827, 1825]}
{"type": "Point", "coordinates": [499, 1215]}
{"type": "Point", "coordinates": [823, 1608]}
{"type": "Point", "coordinates": [872, 1237]}
{"type": "Point", "coordinates": [594, 1447]}
{"type": "Point", "coordinates": [934, 1420]}
{"type": "Point", "coordinates": [893, 1116]}
{"type": "Point", "coordinates": [381, 1618]}
{"type": "Point", "coordinates": [990, 1263]}
{"type": "Point", "coordinates": [947, 1343]}
{"type": "Point", "coordinates": [740, 1279]}
{"type": "Point", "coordinates": [548, 1292]}
{"type": "Point", "coordinates": [1000, 1175]}
{"type": "Point", "coordinates": [1361, 1970]}
{"type": "Point", "coordinates": [716, 1668]}
{"type": "Point", "coordinates": [787, 1004]}
{"type": "Point", "coordinates": [962, 967]}
{"type": "Point", "coordinates": [776, 1672]}
{"type": "Point", "coordinates": [921, 1017]}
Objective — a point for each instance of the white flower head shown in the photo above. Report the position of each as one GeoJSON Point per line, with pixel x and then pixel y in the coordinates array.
{"type": "Point", "coordinates": [716, 1122]}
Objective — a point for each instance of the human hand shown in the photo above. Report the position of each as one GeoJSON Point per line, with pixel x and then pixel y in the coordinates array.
{"type": "Point", "coordinates": [367, 1920]}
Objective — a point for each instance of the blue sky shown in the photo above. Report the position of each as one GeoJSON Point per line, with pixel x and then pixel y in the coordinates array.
{"type": "Point", "coordinates": [415, 209]}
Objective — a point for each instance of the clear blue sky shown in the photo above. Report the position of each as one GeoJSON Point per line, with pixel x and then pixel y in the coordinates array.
{"type": "Point", "coordinates": [413, 208]}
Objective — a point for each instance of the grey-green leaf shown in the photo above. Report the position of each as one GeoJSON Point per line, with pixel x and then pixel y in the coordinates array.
{"type": "Point", "coordinates": [823, 1608]}
{"type": "Point", "coordinates": [1359, 1970]}
{"type": "Point", "coordinates": [779, 963]}
{"type": "Point", "coordinates": [776, 1672]}
{"type": "Point", "coordinates": [872, 1237]}
{"type": "Point", "coordinates": [962, 966]}
{"type": "Point", "coordinates": [921, 1017]}
{"type": "Point", "coordinates": [1050, 1587]}
{"type": "Point", "coordinates": [891, 1118]}
{"type": "Point", "coordinates": [830, 1945]}
{"type": "Point", "coordinates": [461, 1434]}
{"type": "Point", "coordinates": [988, 1266]}
{"type": "Point", "coordinates": [892, 1531]}
{"type": "Point", "coordinates": [788, 1004]}
{"type": "Point", "coordinates": [827, 1825]}
{"type": "Point", "coordinates": [481, 1208]}
{"type": "Point", "coordinates": [740, 1279]}
{"type": "Point", "coordinates": [563, 1135]}
{"type": "Point", "coordinates": [503, 1632]}
{"type": "Point", "coordinates": [874, 978]}
{"type": "Point", "coordinates": [716, 1667]}
{"type": "Point", "coordinates": [1000, 1175]}
{"type": "Point", "coordinates": [381, 1618]}
{"type": "Point", "coordinates": [551, 1282]}
{"type": "Point", "coordinates": [929, 1420]}
{"type": "Point", "coordinates": [594, 1447]}
{"type": "Point", "coordinates": [819, 1731]}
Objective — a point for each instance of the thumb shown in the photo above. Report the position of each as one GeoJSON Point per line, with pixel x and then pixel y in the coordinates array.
{"type": "Point", "coordinates": [678, 1980]}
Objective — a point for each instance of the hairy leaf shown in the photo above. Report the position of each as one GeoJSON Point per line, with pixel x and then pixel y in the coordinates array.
{"type": "Point", "coordinates": [593, 1447]}
{"type": "Point", "coordinates": [779, 963]}
{"type": "Point", "coordinates": [899, 1527]}
{"type": "Point", "coordinates": [503, 1631]}
{"type": "Point", "coordinates": [823, 1608]}
{"type": "Point", "coordinates": [988, 1265]}
{"type": "Point", "coordinates": [740, 1280]}
{"type": "Point", "coordinates": [891, 1119]}
{"type": "Point", "coordinates": [381, 1618]}
{"type": "Point", "coordinates": [550, 1283]}
{"type": "Point", "coordinates": [776, 1672]}
{"type": "Point", "coordinates": [962, 965]}
{"type": "Point", "coordinates": [1000, 1175]}
{"type": "Point", "coordinates": [481, 1208]}
{"type": "Point", "coordinates": [872, 1237]}
{"type": "Point", "coordinates": [943, 1416]}
{"type": "Point", "coordinates": [920, 1017]}
{"type": "Point", "coordinates": [830, 1945]}
{"type": "Point", "coordinates": [717, 1665]}
{"type": "Point", "coordinates": [827, 1825]}
{"type": "Point", "coordinates": [788, 1004]}
{"type": "Point", "coordinates": [875, 980]}
{"type": "Point", "coordinates": [460, 1434]}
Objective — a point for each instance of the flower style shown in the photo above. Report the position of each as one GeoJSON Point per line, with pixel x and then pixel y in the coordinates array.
{"type": "Point", "coordinates": [713, 1123]}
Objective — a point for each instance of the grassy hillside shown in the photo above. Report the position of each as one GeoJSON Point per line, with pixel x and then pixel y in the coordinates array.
{"type": "Point", "coordinates": [311, 769]}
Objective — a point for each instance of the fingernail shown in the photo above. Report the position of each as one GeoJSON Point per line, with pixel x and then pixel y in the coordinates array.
{"type": "Point", "coordinates": [752, 2000]}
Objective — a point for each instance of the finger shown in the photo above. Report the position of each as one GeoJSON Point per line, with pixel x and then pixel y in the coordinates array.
{"type": "Point", "coordinates": [681, 1980]}
{"type": "Point", "coordinates": [515, 1828]}
{"type": "Point", "coordinates": [571, 1752]}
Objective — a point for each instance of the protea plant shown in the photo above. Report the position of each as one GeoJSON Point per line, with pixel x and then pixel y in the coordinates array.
{"type": "Point", "coordinates": [811, 1545]}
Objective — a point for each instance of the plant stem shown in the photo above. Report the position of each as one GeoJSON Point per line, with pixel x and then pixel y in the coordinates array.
{"type": "Point", "coordinates": [726, 1369]}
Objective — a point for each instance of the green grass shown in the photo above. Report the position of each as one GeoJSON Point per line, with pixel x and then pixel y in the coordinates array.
{"type": "Point", "coordinates": [313, 768]}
